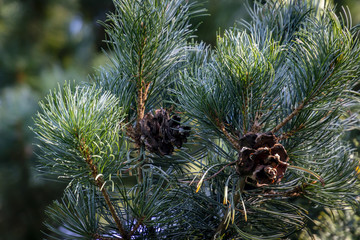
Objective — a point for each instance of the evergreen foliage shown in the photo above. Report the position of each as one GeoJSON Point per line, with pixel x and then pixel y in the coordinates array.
{"type": "Point", "coordinates": [77, 124]}
{"type": "Point", "coordinates": [282, 82]}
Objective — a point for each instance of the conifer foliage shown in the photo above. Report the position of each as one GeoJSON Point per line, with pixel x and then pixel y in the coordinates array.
{"type": "Point", "coordinates": [175, 140]}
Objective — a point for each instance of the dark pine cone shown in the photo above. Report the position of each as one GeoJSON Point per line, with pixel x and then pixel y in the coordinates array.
{"type": "Point", "coordinates": [262, 158]}
{"type": "Point", "coordinates": [160, 133]}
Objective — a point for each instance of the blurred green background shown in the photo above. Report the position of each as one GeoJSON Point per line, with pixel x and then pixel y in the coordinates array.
{"type": "Point", "coordinates": [43, 43]}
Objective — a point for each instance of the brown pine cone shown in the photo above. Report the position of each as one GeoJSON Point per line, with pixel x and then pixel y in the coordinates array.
{"type": "Point", "coordinates": [160, 133]}
{"type": "Point", "coordinates": [262, 158]}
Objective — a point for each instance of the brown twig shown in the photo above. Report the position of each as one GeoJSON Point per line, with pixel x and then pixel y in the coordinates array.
{"type": "Point", "coordinates": [99, 181]}
{"type": "Point", "coordinates": [142, 97]}
{"type": "Point", "coordinates": [245, 102]}
{"type": "Point", "coordinates": [303, 103]}
{"type": "Point", "coordinates": [143, 90]}
{"type": "Point", "coordinates": [232, 140]}
{"type": "Point", "coordinates": [256, 127]}
{"type": "Point", "coordinates": [222, 169]}
{"type": "Point", "coordinates": [291, 133]}
{"type": "Point", "coordinates": [288, 118]}
{"type": "Point", "coordinates": [143, 87]}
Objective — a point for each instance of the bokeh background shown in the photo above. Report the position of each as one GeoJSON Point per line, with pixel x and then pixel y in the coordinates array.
{"type": "Point", "coordinates": [42, 44]}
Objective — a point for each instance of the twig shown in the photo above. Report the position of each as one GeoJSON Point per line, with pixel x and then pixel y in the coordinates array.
{"type": "Point", "coordinates": [222, 169]}
{"type": "Point", "coordinates": [143, 89]}
{"type": "Point", "coordinates": [291, 133]}
{"type": "Point", "coordinates": [256, 127]}
{"type": "Point", "coordinates": [288, 118]}
{"type": "Point", "coordinates": [232, 140]}
{"type": "Point", "coordinates": [99, 181]}
{"type": "Point", "coordinates": [294, 192]}
{"type": "Point", "coordinates": [142, 97]}
{"type": "Point", "coordinates": [303, 103]}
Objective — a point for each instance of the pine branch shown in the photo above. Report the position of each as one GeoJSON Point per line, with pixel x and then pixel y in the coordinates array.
{"type": "Point", "coordinates": [288, 72]}
{"type": "Point", "coordinates": [233, 141]}
{"type": "Point", "coordinates": [99, 181]}
{"type": "Point", "coordinates": [289, 117]}
{"type": "Point", "coordinates": [77, 212]}
{"type": "Point", "coordinates": [149, 40]}
{"type": "Point", "coordinates": [150, 44]}
{"type": "Point", "coordinates": [142, 89]}
{"type": "Point", "coordinates": [142, 84]}
{"type": "Point", "coordinates": [63, 126]}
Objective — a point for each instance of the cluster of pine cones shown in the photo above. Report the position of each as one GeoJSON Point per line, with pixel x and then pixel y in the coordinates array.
{"type": "Point", "coordinates": [262, 159]}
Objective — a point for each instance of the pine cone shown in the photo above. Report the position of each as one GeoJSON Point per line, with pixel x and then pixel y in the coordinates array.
{"type": "Point", "coordinates": [262, 158]}
{"type": "Point", "coordinates": [160, 133]}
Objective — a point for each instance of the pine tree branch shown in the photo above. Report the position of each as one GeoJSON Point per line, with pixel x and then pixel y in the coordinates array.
{"type": "Point", "coordinates": [291, 133]}
{"type": "Point", "coordinates": [143, 86]}
{"type": "Point", "coordinates": [245, 107]}
{"type": "Point", "coordinates": [298, 109]}
{"type": "Point", "coordinates": [312, 95]}
{"type": "Point", "coordinates": [256, 127]}
{"type": "Point", "coordinates": [99, 181]}
{"type": "Point", "coordinates": [309, 69]}
{"type": "Point", "coordinates": [143, 89]}
{"type": "Point", "coordinates": [289, 117]}
{"type": "Point", "coordinates": [232, 140]}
